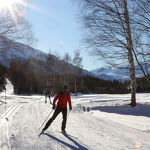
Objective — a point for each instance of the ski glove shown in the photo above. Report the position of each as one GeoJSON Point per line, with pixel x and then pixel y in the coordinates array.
{"type": "Point", "coordinates": [53, 106]}
{"type": "Point", "coordinates": [71, 108]}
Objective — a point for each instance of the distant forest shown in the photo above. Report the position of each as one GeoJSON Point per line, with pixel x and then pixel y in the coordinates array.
{"type": "Point", "coordinates": [28, 78]}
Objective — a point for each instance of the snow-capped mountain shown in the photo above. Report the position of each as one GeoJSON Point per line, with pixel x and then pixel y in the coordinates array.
{"type": "Point", "coordinates": [24, 51]}
{"type": "Point", "coordinates": [10, 50]}
{"type": "Point", "coordinates": [121, 74]}
{"type": "Point", "coordinates": [112, 74]}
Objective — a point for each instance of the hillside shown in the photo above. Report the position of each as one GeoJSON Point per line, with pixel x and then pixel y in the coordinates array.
{"type": "Point", "coordinates": [121, 74]}
{"type": "Point", "coordinates": [10, 50]}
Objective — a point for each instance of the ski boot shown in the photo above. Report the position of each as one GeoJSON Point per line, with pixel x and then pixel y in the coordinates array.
{"type": "Point", "coordinates": [63, 132]}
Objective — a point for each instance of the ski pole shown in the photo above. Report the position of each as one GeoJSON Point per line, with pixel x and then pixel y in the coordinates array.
{"type": "Point", "coordinates": [46, 119]}
{"type": "Point", "coordinates": [50, 101]}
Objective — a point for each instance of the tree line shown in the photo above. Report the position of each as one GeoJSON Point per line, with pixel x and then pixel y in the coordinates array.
{"type": "Point", "coordinates": [31, 76]}
{"type": "Point", "coordinates": [28, 78]}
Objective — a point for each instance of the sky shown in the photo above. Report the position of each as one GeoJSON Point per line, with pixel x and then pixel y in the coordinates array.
{"type": "Point", "coordinates": [58, 29]}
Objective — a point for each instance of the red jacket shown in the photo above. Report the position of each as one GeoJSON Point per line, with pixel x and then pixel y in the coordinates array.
{"type": "Point", "coordinates": [62, 98]}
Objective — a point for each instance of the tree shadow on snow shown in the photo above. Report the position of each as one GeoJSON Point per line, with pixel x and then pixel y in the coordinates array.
{"type": "Point", "coordinates": [139, 110]}
{"type": "Point", "coordinates": [80, 147]}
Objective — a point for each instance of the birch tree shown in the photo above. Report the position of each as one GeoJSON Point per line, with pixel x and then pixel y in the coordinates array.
{"type": "Point", "coordinates": [77, 62]}
{"type": "Point", "coordinates": [111, 29]}
{"type": "Point", "coordinates": [14, 28]}
{"type": "Point", "coordinates": [66, 66]}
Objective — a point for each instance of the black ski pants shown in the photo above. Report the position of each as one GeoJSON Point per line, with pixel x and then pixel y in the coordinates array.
{"type": "Point", "coordinates": [56, 113]}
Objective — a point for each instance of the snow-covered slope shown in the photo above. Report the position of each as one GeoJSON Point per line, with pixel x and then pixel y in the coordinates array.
{"type": "Point", "coordinates": [12, 50]}
{"type": "Point", "coordinates": [111, 74]}
{"type": "Point", "coordinates": [97, 122]}
{"type": "Point", "coordinates": [9, 87]}
{"type": "Point", "coordinates": [18, 50]}
{"type": "Point", "coordinates": [121, 74]}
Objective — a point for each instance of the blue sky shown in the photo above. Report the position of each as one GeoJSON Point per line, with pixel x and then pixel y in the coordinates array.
{"type": "Point", "coordinates": [57, 27]}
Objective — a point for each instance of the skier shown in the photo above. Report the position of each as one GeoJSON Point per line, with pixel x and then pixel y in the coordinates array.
{"type": "Point", "coordinates": [48, 92]}
{"type": "Point", "coordinates": [62, 97]}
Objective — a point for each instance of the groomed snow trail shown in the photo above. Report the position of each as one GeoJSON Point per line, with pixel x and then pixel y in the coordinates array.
{"type": "Point", "coordinates": [4, 126]}
{"type": "Point", "coordinates": [97, 122]}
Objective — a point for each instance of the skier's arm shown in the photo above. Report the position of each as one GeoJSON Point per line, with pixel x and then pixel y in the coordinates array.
{"type": "Point", "coordinates": [69, 100]}
{"type": "Point", "coordinates": [55, 99]}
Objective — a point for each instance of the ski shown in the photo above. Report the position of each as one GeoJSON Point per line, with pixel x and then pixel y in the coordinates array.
{"type": "Point", "coordinates": [41, 133]}
{"type": "Point", "coordinates": [64, 132]}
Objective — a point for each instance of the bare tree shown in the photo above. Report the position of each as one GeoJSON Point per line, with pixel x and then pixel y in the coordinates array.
{"type": "Point", "coordinates": [77, 62]}
{"type": "Point", "coordinates": [50, 67]}
{"type": "Point", "coordinates": [112, 29]}
{"type": "Point", "coordinates": [66, 66]}
{"type": "Point", "coordinates": [13, 28]}
{"type": "Point", "coordinates": [141, 40]}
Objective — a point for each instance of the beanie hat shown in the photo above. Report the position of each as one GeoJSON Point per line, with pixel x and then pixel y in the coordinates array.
{"type": "Point", "coordinates": [66, 87]}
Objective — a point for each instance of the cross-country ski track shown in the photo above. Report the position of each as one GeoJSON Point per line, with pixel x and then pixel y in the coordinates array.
{"type": "Point", "coordinates": [4, 126]}
{"type": "Point", "coordinates": [97, 122]}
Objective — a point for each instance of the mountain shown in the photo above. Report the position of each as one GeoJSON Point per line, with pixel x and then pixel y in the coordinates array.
{"type": "Point", "coordinates": [121, 74]}
{"type": "Point", "coordinates": [19, 50]}
{"type": "Point", "coordinates": [10, 50]}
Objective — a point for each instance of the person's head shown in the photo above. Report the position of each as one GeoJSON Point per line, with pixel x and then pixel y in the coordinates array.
{"type": "Point", "coordinates": [66, 88]}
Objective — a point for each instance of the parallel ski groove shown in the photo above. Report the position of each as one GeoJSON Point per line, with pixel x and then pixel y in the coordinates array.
{"type": "Point", "coordinates": [4, 125]}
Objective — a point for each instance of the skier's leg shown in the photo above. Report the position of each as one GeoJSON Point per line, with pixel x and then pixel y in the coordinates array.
{"type": "Point", "coordinates": [46, 98]}
{"type": "Point", "coordinates": [57, 111]}
{"type": "Point", "coordinates": [49, 96]}
{"type": "Point", "coordinates": [64, 113]}
{"type": "Point", "coordinates": [50, 100]}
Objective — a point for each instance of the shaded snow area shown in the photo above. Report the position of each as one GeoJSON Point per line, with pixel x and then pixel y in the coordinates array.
{"type": "Point", "coordinates": [97, 122]}
{"type": "Point", "coordinates": [9, 87]}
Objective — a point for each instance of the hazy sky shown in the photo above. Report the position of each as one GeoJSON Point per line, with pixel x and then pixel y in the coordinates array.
{"type": "Point", "coordinates": [57, 27]}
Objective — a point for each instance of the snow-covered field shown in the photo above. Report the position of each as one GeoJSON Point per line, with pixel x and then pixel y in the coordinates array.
{"type": "Point", "coordinates": [97, 122]}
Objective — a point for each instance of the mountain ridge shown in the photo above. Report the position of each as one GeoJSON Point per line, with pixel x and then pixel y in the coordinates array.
{"type": "Point", "coordinates": [22, 51]}
{"type": "Point", "coordinates": [121, 74]}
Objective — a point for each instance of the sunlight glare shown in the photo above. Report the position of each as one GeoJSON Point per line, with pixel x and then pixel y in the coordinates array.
{"type": "Point", "coordinates": [6, 3]}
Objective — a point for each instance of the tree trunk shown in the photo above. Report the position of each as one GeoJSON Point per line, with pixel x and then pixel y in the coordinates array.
{"type": "Point", "coordinates": [130, 56]}
{"type": "Point", "coordinates": [133, 79]}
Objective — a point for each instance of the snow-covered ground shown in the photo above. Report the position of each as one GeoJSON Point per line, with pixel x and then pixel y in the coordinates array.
{"type": "Point", "coordinates": [97, 122]}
